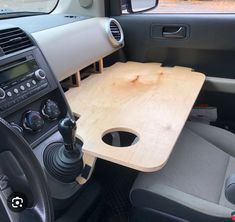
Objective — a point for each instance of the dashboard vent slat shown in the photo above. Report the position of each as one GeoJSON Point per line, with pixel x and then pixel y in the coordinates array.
{"type": "Point", "coordinates": [13, 40]}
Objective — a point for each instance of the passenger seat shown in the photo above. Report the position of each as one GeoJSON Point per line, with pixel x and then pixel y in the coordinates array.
{"type": "Point", "coordinates": [193, 183]}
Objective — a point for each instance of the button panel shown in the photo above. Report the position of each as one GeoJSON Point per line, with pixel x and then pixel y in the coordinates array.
{"type": "Point", "coordinates": [20, 95]}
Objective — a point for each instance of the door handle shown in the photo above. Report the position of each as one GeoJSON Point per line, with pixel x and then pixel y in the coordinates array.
{"type": "Point", "coordinates": [178, 34]}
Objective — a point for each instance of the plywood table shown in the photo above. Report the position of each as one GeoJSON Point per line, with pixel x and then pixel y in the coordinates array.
{"type": "Point", "coordinates": [146, 99]}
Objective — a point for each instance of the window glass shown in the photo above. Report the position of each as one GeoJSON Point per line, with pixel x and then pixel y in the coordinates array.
{"type": "Point", "coordinates": [11, 6]}
{"type": "Point", "coordinates": [190, 6]}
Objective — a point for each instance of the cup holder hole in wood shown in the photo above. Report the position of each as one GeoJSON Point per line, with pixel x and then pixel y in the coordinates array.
{"type": "Point", "coordinates": [120, 138]}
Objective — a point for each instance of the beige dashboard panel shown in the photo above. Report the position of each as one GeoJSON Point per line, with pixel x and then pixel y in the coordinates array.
{"type": "Point", "coordinates": [71, 47]}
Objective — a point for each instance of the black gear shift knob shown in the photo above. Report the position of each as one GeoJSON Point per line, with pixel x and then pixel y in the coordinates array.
{"type": "Point", "coordinates": [67, 128]}
{"type": "Point", "coordinates": [67, 157]}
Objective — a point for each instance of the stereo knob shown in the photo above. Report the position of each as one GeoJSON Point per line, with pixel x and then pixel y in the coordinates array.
{"type": "Point", "coordinates": [40, 74]}
{"type": "Point", "coordinates": [51, 110]}
{"type": "Point", "coordinates": [33, 121]}
{"type": "Point", "coordinates": [2, 93]}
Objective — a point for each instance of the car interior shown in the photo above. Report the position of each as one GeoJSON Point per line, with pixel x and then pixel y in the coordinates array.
{"type": "Point", "coordinates": [112, 113]}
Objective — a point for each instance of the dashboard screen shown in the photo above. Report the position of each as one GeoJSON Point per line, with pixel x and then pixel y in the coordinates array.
{"type": "Point", "coordinates": [17, 71]}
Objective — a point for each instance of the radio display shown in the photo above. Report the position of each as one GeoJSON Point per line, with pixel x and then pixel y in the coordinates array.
{"type": "Point", "coordinates": [9, 74]}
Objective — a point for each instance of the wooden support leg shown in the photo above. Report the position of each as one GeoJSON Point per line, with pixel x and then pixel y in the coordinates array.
{"type": "Point", "coordinates": [99, 66]}
{"type": "Point", "coordinates": [89, 165]}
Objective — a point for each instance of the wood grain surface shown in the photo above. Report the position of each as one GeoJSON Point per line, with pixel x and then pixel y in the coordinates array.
{"type": "Point", "coordinates": [143, 98]}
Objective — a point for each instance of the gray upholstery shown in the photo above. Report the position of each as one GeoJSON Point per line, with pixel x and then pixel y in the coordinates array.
{"type": "Point", "coordinates": [230, 189]}
{"type": "Point", "coordinates": [221, 138]}
{"type": "Point", "coordinates": [193, 179]}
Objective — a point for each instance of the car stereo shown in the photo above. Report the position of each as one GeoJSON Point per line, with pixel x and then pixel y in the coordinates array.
{"type": "Point", "coordinates": [19, 80]}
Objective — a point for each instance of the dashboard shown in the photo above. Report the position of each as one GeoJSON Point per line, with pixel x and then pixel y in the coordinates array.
{"type": "Point", "coordinates": [36, 53]}
{"type": "Point", "coordinates": [68, 42]}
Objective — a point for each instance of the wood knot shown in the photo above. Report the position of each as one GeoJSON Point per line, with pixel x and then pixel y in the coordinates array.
{"type": "Point", "coordinates": [135, 79]}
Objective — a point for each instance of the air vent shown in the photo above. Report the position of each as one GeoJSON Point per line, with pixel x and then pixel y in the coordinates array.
{"type": "Point", "coordinates": [115, 30]}
{"type": "Point", "coordinates": [13, 40]}
{"type": "Point", "coordinates": [115, 33]}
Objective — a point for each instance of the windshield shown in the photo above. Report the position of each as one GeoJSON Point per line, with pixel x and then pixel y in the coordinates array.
{"type": "Point", "coordinates": [18, 6]}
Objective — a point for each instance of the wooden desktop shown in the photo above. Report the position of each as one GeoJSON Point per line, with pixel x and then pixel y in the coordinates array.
{"type": "Point", "coordinates": [146, 99]}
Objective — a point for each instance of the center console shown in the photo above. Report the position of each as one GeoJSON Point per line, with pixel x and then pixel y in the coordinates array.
{"type": "Point", "coordinates": [30, 97]}
{"type": "Point", "coordinates": [33, 102]}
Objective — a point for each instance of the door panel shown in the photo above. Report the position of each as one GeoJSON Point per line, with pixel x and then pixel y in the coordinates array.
{"type": "Point", "coordinates": [208, 46]}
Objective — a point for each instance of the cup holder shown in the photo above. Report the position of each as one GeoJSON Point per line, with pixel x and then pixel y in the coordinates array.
{"type": "Point", "coordinates": [120, 138]}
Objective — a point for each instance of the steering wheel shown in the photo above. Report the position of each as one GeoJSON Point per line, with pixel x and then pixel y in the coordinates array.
{"type": "Point", "coordinates": [41, 208]}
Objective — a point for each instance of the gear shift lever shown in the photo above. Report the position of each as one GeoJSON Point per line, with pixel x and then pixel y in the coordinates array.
{"type": "Point", "coordinates": [67, 128]}
{"type": "Point", "coordinates": [64, 160]}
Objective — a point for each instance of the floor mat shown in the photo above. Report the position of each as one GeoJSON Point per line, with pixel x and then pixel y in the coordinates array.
{"type": "Point", "coordinates": [114, 204]}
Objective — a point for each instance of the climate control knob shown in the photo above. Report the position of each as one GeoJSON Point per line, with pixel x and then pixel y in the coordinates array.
{"type": "Point", "coordinates": [51, 110]}
{"type": "Point", "coordinates": [40, 74]}
{"type": "Point", "coordinates": [33, 121]}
